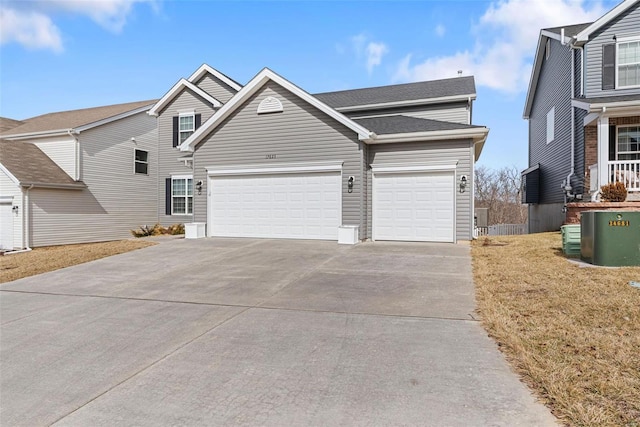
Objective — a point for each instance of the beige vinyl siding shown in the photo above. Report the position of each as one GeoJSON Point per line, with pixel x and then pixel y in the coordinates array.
{"type": "Point", "coordinates": [168, 156]}
{"type": "Point", "coordinates": [457, 112]}
{"type": "Point", "coordinates": [8, 188]}
{"type": "Point", "coordinates": [116, 199]}
{"type": "Point", "coordinates": [625, 25]}
{"type": "Point", "coordinates": [457, 151]}
{"type": "Point", "coordinates": [216, 88]}
{"type": "Point", "coordinates": [63, 151]}
{"type": "Point", "coordinates": [299, 134]}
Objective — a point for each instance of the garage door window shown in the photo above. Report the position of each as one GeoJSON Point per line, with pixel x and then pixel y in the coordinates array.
{"type": "Point", "coordinates": [181, 195]}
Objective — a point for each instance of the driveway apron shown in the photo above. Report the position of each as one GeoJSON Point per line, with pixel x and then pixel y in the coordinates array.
{"type": "Point", "coordinates": [258, 333]}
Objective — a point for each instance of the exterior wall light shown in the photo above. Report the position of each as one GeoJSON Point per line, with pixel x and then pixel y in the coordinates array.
{"type": "Point", "coordinates": [15, 209]}
{"type": "Point", "coordinates": [463, 183]}
{"type": "Point", "coordinates": [199, 187]}
{"type": "Point", "coordinates": [350, 184]}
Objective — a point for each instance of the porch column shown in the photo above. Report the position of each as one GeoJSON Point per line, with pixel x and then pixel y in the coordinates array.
{"type": "Point", "coordinates": [603, 150]}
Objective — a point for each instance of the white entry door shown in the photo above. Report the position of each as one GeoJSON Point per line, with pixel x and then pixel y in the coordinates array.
{"type": "Point", "coordinates": [414, 206]}
{"type": "Point", "coordinates": [6, 226]}
{"type": "Point", "coordinates": [288, 205]}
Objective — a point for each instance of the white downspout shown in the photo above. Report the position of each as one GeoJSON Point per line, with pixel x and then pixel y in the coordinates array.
{"type": "Point", "coordinates": [77, 155]}
{"type": "Point", "coordinates": [573, 120]}
{"type": "Point", "coordinates": [25, 218]}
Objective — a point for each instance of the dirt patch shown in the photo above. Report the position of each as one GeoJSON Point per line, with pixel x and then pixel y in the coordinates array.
{"type": "Point", "coordinates": [41, 260]}
{"type": "Point", "coordinates": [572, 333]}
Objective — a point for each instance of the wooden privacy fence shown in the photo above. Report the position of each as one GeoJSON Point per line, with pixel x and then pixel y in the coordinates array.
{"type": "Point", "coordinates": [501, 230]}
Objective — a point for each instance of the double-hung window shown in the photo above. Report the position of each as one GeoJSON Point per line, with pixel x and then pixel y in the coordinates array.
{"type": "Point", "coordinates": [141, 162]}
{"type": "Point", "coordinates": [187, 125]}
{"type": "Point", "coordinates": [628, 143]}
{"type": "Point", "coordinates": [181, 195]}
{"type": "Point", "coordinates": [628, 63]}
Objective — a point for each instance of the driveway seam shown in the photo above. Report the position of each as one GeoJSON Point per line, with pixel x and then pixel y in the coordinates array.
{"type": "Point", "coordinates": [180, 347]}
{"type": "Point", "coordinates": [246, 307]}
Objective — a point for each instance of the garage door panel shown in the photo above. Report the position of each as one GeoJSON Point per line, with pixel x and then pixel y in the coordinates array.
{"type": "Point", "coordinates": [305, 206]}
{"type": "Point", "coordinates": [414, 207]}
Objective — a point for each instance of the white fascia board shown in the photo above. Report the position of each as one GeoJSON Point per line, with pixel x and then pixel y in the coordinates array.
{"type": "Point", "coordinates": [583, 36]}
{"type": "Point", "coordinates": [555, 36]}
{"type": "Point", "coordinates": [78, 186]}
{"type": "Point", "coordinates": [175, 90]}
{"type": "Point", "coordinates": [41, 134]}
{"type": "Point", "coordinates": [112, 119]}
{"type": "Point", "coordinates": [477, 134]}
{"type": "Point", "coordinates": [435, 166]}
{"type": "Point", "coordinates": [9, 174]}
{"type": "Point", "coordinates": [535, 74]}
{"type": "Point", "coordinates": [426, 101]}
{"type": "Point", "coordinates": [609, 107]}
{"type": "Point", "coordinates": [267, 169]}
{"type": "Point", "coordinates": [251, 88]}
{"type": "Point", "coordinates": [590, 118]}
{"type": "Point", "coordinates": [206, 68]}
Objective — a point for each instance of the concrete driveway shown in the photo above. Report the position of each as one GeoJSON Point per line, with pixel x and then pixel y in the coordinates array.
{"type": "Point", "coordinates": [257, 332]}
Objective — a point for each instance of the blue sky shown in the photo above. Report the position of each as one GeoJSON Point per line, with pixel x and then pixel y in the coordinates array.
{"type": "Point", "coordinates": [59, 55]}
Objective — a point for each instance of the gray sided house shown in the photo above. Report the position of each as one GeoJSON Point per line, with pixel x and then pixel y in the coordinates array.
{"type": "Point", "coordinates": [583, 108]}
{"type": "Point", "coordinates": [78, 176]}
{"type": "Point", "coordinates": [387, 163]}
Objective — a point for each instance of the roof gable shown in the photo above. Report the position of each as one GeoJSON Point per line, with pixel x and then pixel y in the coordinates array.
{"type": "Point", "coordinates": [176, 90]}
{"type": "Point", "coordinates": [76, 120]}
{"type": "Point", "coordinates": [251, 88]}
{"type": "Point", "coordinates": [206, 69]}
{"type": "Point", "coordinates": [27, 165]}
{"type": "Point", "coordinates": [584, 35]}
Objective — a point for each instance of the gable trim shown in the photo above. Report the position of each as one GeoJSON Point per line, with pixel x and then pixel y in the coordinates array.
{"type": "Point", "coordinates": [175, 91]}
{"type": "Point", "coordinates": [112, 119]}
{"type": "Point", "coordinates": [9, 174]}
{"type": "Point", "coordinates": [533, 83]}
{"type": "Point", "coordinates": [583, 36]}
{"type": "Point", "coordinates": [250, 89]}
{"type": "Point", "coordinates": [205, 68]}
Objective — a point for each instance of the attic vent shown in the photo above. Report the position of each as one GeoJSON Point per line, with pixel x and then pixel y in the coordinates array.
{"type": "Point", "coordinates": [270, 105]}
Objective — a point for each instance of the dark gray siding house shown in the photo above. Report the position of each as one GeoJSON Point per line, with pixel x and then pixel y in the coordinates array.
{"type": "Point", "coordinates": [275, 161]}
{"type": "Point", "coordinates": [583, 108]}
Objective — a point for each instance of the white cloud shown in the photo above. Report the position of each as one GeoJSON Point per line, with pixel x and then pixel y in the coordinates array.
{"type": "Point", "coordinates": [505, 41]}
{"type": "Point", "coordinates": [30, 23]}
{"type": "Point", "coordinates": [440, 30]}
{"type": "Point", "coordinates": [372, 52]}
{"type": "Point", "coordinates": [375, 52]}
{"type": "Point", "coordinates": [31, 29]}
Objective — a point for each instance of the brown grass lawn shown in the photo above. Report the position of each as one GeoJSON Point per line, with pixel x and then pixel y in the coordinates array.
{"type": "Point", "coordinates": [573, 333]}
{"type": "Point", "coordinates": [41, 260]}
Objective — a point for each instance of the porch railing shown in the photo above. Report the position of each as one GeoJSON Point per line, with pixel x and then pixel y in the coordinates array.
{"type": "Point", "coordinates": [627, 172]}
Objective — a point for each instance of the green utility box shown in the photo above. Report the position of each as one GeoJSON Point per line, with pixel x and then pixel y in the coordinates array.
{"type": "Point", "coordinates": [610, 238]}
{"type": "Point", "coordinates": [570, 239]}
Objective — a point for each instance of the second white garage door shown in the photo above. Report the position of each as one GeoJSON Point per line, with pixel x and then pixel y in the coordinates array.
{"type": "Point", "coordinates": [414, 207]}
{"type": "Point", "coordinates": [292, 205]}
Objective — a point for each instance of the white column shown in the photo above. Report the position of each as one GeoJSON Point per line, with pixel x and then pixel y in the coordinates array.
{"type": "Point", "coordinates": [603, 150]}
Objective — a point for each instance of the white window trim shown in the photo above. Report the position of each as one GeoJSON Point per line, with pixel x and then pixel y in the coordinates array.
{"type": "Point", "coordinates": [135, 162]}
{"type": "Point", "coordinates": [618, 140]}
{"type": "Point", "coordinates": [185, 177]}
{"type": "Point", "coordinates": [181, 114]}
{"type": "Point", "coordinates": [619, 41]}
{"type": "Point", "coordinates": [551, 125]}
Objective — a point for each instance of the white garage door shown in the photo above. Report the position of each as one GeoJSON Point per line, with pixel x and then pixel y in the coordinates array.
{"type": "Point", "coordinates": [292, 206]}
{"type": "Point", "coordinates": [414, 207]}
{"type": "Point", "coordinates": [6, 226]}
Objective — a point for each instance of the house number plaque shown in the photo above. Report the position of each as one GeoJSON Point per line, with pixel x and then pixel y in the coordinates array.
{"type": "Point", "coordinates": [270, 156]}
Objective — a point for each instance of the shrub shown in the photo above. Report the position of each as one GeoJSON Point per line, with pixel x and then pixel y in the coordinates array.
{"type": "Point", "coordinates": [158, 230]}
{"type": "Point", "coordinates": [613, 192]}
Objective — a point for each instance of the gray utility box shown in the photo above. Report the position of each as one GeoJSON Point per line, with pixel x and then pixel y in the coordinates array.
{"type": "Point", "coordinates": [610, 238]}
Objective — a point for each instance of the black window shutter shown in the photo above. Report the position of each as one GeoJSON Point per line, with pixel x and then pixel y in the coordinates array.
{"type": "Point", "coordinates": [175, 131]}
{"type": "Point", "coordinates": [198, 121]}
{"type": "Point", "coordinates": [167, 196]}
{"type": "Point", "coordinates": [609, 66]}
{"type": "Point", "coordinates": [612, 142]}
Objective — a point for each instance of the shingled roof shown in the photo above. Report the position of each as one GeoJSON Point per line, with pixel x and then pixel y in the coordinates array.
{"type": "Point", "coordinates": [29, 165]}
{"type": "Point", "coordinates": [6, 124]}
{"type": "Point", "coordinates": [387, 125]}
{"type": "Point", "coordinates": [569, 30]}
{"type": "Point", "coordinates": [457, 86]}
{"type": "Point", "coordinates": [64, 120]}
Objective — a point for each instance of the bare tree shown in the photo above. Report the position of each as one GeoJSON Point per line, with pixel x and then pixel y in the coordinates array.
{"type": "Point", "coordinates": [499, 191]}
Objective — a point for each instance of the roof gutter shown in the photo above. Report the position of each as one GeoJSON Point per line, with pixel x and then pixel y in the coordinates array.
{"type": "Point", "coordinates": [424, 101]}
{"type": "Point", "coordinates": [75, 186]}
{"type": "Point", "coordinates": [477, 134]}
{"type": "Point", "coordinates": [43, 134]}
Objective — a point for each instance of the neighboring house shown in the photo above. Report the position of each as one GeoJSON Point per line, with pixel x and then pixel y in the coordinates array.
{"type": "Point", "coordinates": [583, 108]}
{"type": "Point", "coordinates": [78, 176]}
{"type": "Point", "coordinates": [386, 163]}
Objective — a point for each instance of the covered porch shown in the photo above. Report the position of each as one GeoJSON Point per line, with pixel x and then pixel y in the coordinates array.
{"type": "Point", "coordinates": [612, 143]}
